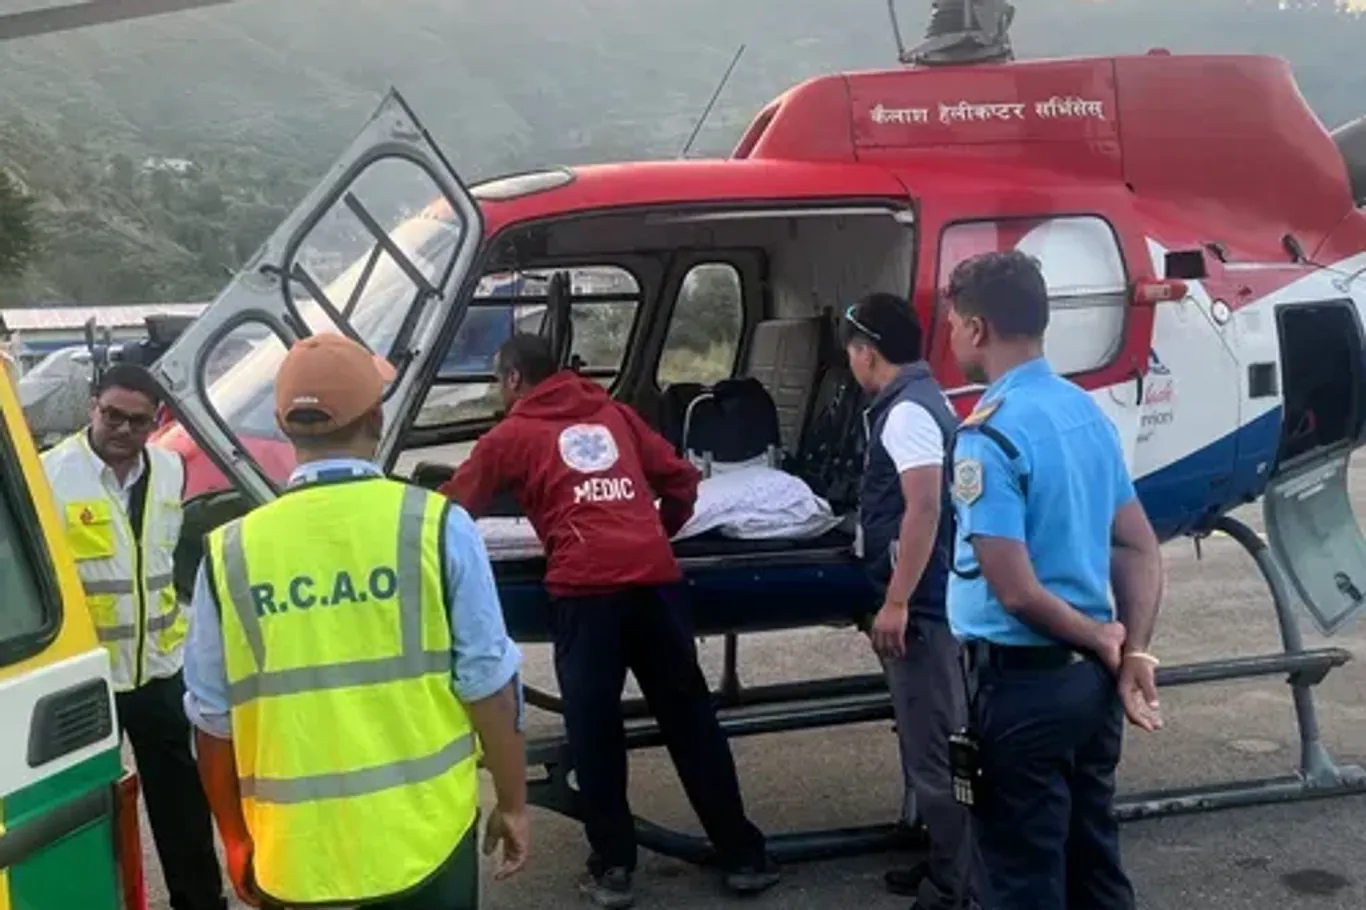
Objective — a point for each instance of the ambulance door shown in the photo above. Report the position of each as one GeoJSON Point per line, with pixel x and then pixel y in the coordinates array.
{"type": "Point", "coordinates": [59, 745]}
{"type": "Point", "coordinates": [379, 251]}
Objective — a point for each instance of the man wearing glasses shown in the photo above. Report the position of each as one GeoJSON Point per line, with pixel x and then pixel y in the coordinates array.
{"type": "Point", "coordinates": [120, 501]}
{"type": "Point", "coordinates": [905, 539]}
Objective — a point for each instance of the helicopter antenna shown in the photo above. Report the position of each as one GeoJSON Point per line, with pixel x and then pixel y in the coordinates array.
{"type": "Point", "coordinates": [896, 31]}
{"type": "Point", "coordinates": [67, 16]}
{"type": "Point", "coordinates": [706, 112]}
{"type": "Point", "coordinates": [961, 31]}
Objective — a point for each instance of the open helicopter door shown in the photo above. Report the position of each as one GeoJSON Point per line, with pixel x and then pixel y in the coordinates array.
{"type": "Point", "coordinates": [379, 251]}
{"type": "Point", "coordinates": [1310, 525]}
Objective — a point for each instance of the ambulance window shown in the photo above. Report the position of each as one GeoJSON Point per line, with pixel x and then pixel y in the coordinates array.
{"type": "Point", "coordinates": [1084, 271]}
{"type": "Point", "coordinates": [28, 607]}
{"type": "Point", "coordinates": [704, 327]}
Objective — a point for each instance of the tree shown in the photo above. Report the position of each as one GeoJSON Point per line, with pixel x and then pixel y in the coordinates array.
{"type": "Point", "coordinates": [18, 241]}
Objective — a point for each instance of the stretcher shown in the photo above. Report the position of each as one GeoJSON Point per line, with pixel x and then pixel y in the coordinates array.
{"type": "Point", "coordinates": [761, 553]}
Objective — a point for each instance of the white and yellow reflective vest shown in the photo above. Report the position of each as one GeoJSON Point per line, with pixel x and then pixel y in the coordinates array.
{"type": "Point", "coordinates": [128, 581]}
{"type": "Point", "coordinates": [356, 761]}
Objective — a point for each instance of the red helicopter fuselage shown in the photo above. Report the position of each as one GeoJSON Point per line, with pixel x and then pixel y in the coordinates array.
{"type": "Point", "coordinates": [1217, 160]}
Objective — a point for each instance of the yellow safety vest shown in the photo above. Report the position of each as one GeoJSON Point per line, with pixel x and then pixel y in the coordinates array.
{"type": "Point", "coordinates": [129, 584]}
{"type": "Point", "coordinates": [358, 764]}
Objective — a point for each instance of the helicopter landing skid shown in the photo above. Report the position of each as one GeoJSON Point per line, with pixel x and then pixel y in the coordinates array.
{"type": "Point", "coordinates": [859, 699]}
{"type": "Point", "coordinates": [1318, 775]}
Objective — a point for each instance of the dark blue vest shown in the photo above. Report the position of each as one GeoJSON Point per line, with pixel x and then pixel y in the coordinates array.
{"type": "Point", "coordinates": [881, 504]}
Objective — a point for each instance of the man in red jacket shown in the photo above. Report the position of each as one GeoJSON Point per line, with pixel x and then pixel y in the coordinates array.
{"type": "Point", "coordinates": [586, 470]}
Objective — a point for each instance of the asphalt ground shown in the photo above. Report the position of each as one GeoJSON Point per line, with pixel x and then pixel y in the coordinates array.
{"type": "Point", "coordinates": [1305, 854]}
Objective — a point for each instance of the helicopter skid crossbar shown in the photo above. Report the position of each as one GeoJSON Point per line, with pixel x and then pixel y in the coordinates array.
{"type": "Point", "coordinates": [842, 701]}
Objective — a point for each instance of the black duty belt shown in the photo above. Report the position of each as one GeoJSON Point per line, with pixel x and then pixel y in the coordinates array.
{"type": "Point", "coordinates": [1024, 657]}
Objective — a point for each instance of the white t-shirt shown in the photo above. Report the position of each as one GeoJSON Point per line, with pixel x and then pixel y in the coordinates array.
{"type": "Point", "coordinates": [912, 438]}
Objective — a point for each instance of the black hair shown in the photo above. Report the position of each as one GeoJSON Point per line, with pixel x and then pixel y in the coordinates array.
{"type": "Point", "coordinates": [1006, 289]}
{"type": "Point", "coordinates": [529, 355]}
{"type": "Point", "coordinates": [339, 438]}
{"type": "Point", "coordinates": [888, 322]}
{"type": "Point", "coordinates": [131, 376]}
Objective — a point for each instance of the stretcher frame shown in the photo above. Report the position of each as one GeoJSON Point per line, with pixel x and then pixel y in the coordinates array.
{"type": "Point", "coordinates": [792, 706]}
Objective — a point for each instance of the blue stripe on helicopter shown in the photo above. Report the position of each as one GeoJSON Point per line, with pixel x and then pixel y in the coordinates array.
{"type": "Point", "coordinates": [1212, 480]}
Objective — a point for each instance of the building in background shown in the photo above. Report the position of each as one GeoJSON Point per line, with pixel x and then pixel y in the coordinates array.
{"type": "Point", "coordinates": [31, 333]}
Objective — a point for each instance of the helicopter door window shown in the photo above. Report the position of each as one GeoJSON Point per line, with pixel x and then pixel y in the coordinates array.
{"type": "Point", "coordinates": [367, 268]}
{"type": "Point", "coordinates": [369, 265]}
{"type": "Point", "coordinates": [465, 388]}
{"type": "Point", "coordinates": [602, 302]}
{"type": "Point", "coordinates": [705, 327]}
{"type": "Point", "coordinates": [251, 348]}
{"type": "Point", "coordinates": [1084, 271]}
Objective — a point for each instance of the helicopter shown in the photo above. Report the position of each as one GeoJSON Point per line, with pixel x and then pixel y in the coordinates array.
{"type": "Point", "coordinates": [1215, 314]}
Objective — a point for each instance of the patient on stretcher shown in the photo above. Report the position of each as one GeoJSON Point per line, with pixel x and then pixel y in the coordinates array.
{"type": "Point", "coordinates": [739, 502]}
{"type": "Point", "coordinates": [730, 433]}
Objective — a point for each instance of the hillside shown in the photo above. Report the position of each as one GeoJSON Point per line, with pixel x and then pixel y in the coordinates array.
{"type": "Point", "coordinates": [161, 151]}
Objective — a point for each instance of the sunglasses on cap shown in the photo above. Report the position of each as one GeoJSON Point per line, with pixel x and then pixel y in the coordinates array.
{"type": "Point", "coordinates": [853, 320]}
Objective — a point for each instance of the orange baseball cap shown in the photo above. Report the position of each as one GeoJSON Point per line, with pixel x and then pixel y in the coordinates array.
{"type": "Point", "coordinates": [331, 379]}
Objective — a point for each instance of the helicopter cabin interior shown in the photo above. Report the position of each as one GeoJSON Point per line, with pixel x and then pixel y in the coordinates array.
{"type": "Point", "coordinates": [1322, 377]}
{"type": "Point", "coordinates": [721, 328]}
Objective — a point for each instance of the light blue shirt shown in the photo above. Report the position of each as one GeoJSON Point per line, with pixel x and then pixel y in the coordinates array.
{"type": "Point", "coordinates": [483, 658]}
{"type": "Point", "coordinates": [1071, 461]}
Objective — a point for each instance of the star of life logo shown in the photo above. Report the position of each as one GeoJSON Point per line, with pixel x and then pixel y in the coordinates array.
{"type": "Point", "coordinates": [588, 448]}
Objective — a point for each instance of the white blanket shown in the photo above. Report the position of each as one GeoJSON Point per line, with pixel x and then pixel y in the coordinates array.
{"type": "Point", "coordinates": [756, 502]}
{"type": "Point", "coordinates": [748, 502]}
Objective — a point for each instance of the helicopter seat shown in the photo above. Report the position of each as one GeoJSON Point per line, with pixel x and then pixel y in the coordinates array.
{"type": "Point", "coordinates": [785, 357]}
{"type": "Point", "coordinates": [731, 424]}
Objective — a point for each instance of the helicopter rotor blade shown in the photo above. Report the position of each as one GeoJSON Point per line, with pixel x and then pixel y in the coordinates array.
{"type": "Point", "coordinates": [69, 16]}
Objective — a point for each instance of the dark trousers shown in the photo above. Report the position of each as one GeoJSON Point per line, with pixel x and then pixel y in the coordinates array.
{"type": "Point", "coordinates": [1051, 741]}
{"type": "Point", "coordinates": [929, 703]}
{"type": "Point", "coordinates": [455, 886]}
{"type": "Point", "coordinates": [153, 717]}
{"type": "Point", "coordinates": [650, 632]}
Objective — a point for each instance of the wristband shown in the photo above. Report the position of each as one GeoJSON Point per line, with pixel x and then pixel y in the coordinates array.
{"type": "Point", "coordinates": [1145, 656]}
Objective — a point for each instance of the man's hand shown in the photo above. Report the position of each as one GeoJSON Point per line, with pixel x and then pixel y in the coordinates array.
{"type": "Point", "coordinates": [1138, 692]}
{"type": "Point", "coordinates": [888, 634]}
{"type": "Point", "coordinates": [1109, 642]}
{"type": "Point", "coordinates": [238, 855]}
{"type": "Point", "coordinates": [513, 831]}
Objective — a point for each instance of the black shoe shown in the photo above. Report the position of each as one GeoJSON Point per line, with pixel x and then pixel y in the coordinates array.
{"type": "Point", "coordinates": [612, 889]}
{"type": "Point", "coordinates": [753, 879]}
{"type": "Point", "coordinates": [905, 882]}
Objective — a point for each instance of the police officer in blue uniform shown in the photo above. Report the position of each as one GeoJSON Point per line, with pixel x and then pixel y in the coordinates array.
{"type": "Point", "coordinates": [1047, 523]}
